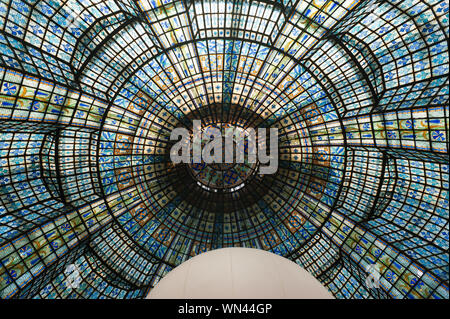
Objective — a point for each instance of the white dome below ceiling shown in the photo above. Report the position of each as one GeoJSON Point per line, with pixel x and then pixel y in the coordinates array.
{"type": "Point", "coordinates": [239, 273]}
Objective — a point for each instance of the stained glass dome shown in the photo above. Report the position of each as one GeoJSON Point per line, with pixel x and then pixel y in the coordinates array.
{"type": "Point", "coordinates": [91, 90]}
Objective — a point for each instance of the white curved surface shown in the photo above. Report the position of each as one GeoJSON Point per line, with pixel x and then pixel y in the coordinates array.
{"type": "Point", "coordinates": [239, 273]}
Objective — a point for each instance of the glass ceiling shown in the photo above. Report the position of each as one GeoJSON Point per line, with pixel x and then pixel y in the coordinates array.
{"type": "Point", "coordinates": [90, 91]}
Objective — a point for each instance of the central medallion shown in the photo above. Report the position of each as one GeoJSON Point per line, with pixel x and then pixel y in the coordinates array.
{"type": "Point", "coordinates": [224, 176]}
